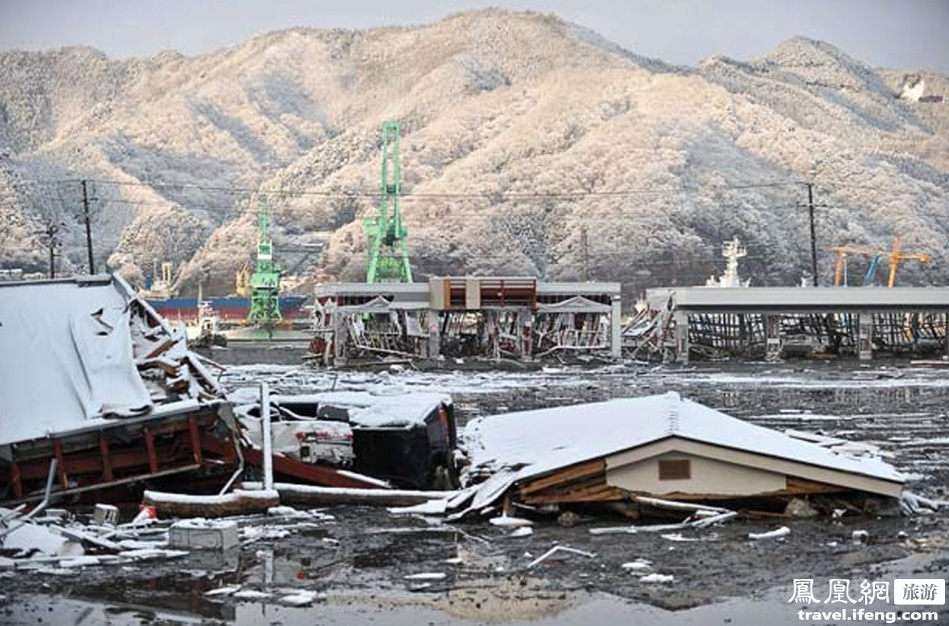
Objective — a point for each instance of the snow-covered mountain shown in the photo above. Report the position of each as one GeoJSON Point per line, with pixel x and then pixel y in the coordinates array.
{"type": "Point", "coordinates": [530, 146]}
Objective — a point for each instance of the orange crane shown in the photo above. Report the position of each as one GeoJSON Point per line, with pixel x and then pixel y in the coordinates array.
{"type": "Point", "coordinates": [842, 252]}
{"type": "Point", "coordinates": [894, 256]}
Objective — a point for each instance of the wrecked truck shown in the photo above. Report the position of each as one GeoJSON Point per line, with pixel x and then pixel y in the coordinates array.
{"type": "Point", "coordinates": [406, 439]}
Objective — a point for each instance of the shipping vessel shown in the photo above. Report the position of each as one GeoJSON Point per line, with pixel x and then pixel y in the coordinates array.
{"type": "Point", "coordinates": [233, 309]}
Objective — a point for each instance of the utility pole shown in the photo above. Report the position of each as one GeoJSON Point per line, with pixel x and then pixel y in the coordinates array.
{"type": "Point", "coordinates": [586, 253]}
{"type": "Point", "coordinates": [49, 237]}
{"type": "Point", "coordinates": [810, 211]}
{"type": "Point", "coordinates": [85, 212]}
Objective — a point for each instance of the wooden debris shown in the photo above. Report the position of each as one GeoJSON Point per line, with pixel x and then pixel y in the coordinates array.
{"type": "Point", "coordinates": [235, 503]}
{"type": "Point", "coordinates": [308, 495]}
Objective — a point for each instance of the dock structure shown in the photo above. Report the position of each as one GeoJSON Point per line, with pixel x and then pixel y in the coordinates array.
{"type": "Point", "coordinates": [465, 316]}
{"type": "Point", "coordinates": [772, 322]}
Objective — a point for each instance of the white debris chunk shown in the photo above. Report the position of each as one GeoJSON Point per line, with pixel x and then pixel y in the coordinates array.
{"type": "Point", "coordinates": [29, 537]}
{"type": "Point", "coordinates": [506, 521]}
{"type": "Point", "coordinates": [657, 578]}
{"type": "Point", "coordinates": [773, 534]}
{"type": "Point", "coordinates": [426, 576]}
{"type": "Point", "coordinates": [913, 504]}
{"type": "Point", "coordinates": [80, 561]}
{"type": "Point", "coordinates": [262, 532]}
{"type": "Point", "coordinates": [556, 549]}
{"type": "Point", "coordinates": [637, 565]}
{"type": "Point", "coordinates": [223, 591]}
{"type": "Point", "coordinates": [678, 537]}
{"type": "Point", "coordinates": [522, 531]}
{"type": "Point", "coordinates": [302, 598]}
{"type": "Point", "coordinates": [149, 554]}
{"type": "Point", "coordinates": [430, 507]}
{"type": "Point", "coordinates": [860, 536]}
{"type": "Point", "coordinates": [250, 594]}
{"type": "Point", "coordinates": [287, 511]}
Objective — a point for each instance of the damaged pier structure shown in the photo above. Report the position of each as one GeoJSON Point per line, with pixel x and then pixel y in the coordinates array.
{"type": "Point", "coordinates": [774, 322]}
{"type": "Point", "coordinates": [488, 317]}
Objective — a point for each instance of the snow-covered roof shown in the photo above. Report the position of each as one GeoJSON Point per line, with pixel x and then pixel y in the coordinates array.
{"type": "Point", "coordinates": [535, 442]}
{"type": "Point", "coordinates": [398, 410]}
{"type": "Point", "coordinates": [67, 357]}
{"type": "Point", "coordinates": [576, 304]}
{"type": "Point", "coordinates": [375, 410]}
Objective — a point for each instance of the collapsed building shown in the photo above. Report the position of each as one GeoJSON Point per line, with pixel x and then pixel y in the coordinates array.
{"type": "Point", "coordinates": [490, 317]}
{"type": "Point", "coordinates": [94, 383]}
{"type": "Point", "coordinates": [92, 377]}
{"type": "Point", "coordinates": [626, 453]}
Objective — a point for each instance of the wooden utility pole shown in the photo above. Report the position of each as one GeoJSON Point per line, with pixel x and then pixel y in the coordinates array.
{"type": "Point", "coordinates": [85, 213]}
{"type": "Point", "coordinates": [52, 241]}
{"type": "Point", "coordinates": [586, 253]}
{"type": "Point", "coordinates": [810, 212]}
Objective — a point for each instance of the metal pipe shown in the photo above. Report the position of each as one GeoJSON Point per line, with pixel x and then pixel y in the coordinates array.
{"type": "Point", "coordinates": [42, 505]}
{"type": "Point", "coordinates": [266, 436]}
{"type": "Point", "coordinates": [240, 467]}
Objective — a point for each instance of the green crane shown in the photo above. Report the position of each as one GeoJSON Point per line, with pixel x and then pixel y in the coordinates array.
{"type": "Point", "coordinates": [265, 281]}
{"type": "Point", "coordinates": [387, 247]}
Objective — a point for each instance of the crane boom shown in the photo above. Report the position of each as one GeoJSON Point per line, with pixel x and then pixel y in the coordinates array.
{"type": "Point", "coordinates": [387, 246]}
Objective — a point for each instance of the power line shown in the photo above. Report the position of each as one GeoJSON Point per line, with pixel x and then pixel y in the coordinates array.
{"type": "Point", "coordinates": [490, 194]}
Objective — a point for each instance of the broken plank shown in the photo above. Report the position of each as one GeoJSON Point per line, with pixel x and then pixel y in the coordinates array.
{"type": "Point", "coordinates": [107, 474]}
{"type": "Point", "coordinates": [150, 448]}
{"type": "Point", "coordinates": [160, 348]}
{"type": "Point", "coordinates": [795, 485]}
{"type": "Point", "coordinates": [573, 472]}
{"type": "Point", "coordinates": [60, 464]}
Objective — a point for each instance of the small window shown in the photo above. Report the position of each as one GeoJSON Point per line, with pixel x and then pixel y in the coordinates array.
{"type": "Point", "coordinates": [677, 469]}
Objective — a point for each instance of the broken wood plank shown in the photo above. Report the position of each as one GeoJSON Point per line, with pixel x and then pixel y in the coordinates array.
{"type": "Point", "coordinates": [580, 485]}
{"type": "Point", "coordinates": [17, 479]}
{"type": "Point", "coordinates": [150, 448]}
{"type": "Point", "coordinates": [607, 494]}
{"type": "Point", "coordinates": [160, 348]}
{"type": "Point", "coordinates": [195, 439]}
{"type": "Point", "coordinates": [61, 466]}
{"type": "Point", "coordinates": [107, 474]}
{"type": "Point", "coordinates": [573, 472]}
{"type": "Point", "coordinates": [795, 485]}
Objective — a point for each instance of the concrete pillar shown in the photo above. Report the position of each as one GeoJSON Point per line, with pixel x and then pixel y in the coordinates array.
{"type": "Point", "coordinates": [616, 331]}
{"type": "Point", "coordinates": [772, 325]}
{"type": "Point", "coordinates": [433, 320]}
{"type": "Point", "coordinates": [865, 336]}
{"type": "Point", "coordinates": [339, 339]}
{"type": "Point", "coordinates": [525, 327]}
{"type": "Point", "coordinates": [945, 335]}
{"type": "Point", "coordinates": [681, 320]}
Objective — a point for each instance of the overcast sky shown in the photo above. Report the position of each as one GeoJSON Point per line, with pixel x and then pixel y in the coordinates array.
{"type": "Point", "coordinates": [906, 34]}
